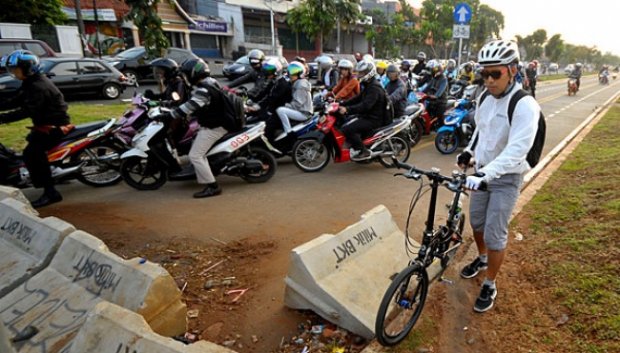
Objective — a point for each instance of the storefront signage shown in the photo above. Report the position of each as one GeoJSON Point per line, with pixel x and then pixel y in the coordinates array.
{"type": "Point", "coordinates": [209, 26]}
{"type": "Point", "coordinates": [107, 15]}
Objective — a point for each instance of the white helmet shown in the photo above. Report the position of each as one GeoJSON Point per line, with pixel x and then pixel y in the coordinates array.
{"type": "Point", "coordinates": [325, 61]}
{"type": "Point", "coordinates": [498, 52]}
{"type": "Point", "coordinates": [365, 71]}
{"type": "Point", "coordinates": [579, 65]}
{"type": "Point", "coordinates": [345, 64]}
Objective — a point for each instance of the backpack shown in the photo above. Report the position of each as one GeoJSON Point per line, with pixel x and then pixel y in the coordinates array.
{"type": "Point", "coordinates": [533, 156]}
{"type": "Point", "coordinates": [233, 106]}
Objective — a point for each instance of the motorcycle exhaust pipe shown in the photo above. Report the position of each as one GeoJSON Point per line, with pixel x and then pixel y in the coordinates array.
{"type": "Point", "coordinates": [58, 172]}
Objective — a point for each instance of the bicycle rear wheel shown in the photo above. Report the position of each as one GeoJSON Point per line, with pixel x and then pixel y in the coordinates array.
{"type": "Point", "coordinates": [402, 305]}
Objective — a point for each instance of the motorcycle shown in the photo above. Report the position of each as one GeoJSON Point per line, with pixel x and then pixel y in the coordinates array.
{"type": "Point", "coordinates": [413, 133]}
{"type": "Point", "coordinates": [458, 127]}
{"type": "Point", "coordinates": [145, 169]}
{"type": "Point", "coordinates": [457, 89]}
{"type": "Point", "coordinates": [603, 78]}
{"type": "Point", "coordinates": [282, 146]}
{"type": "Point", "coordinates": [87, 153]}
{"type": "Point", "coordinates": [313, 151]}
{"type": "Point", "coordinates": [572, 86]}
{"type": "Point", "coordinates": [428, 123]}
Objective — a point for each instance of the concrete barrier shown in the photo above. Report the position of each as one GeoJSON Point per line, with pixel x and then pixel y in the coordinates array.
{"type": "Point", "coordinates": [110, 328]}
{"type": "Point", "coordinates": [343, 277]}
{"type": "Point", "coordinates": [13, 193]}
{"type": "Point", "coordinates": [27, 243]}
{"type": "Point", "coordinates": [82, 274]}
{"type": "Point", "coordinates": [5, 341]}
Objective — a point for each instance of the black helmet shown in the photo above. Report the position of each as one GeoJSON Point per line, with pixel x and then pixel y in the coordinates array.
{"type": "Point", "coordinates": [391, 68]}
{"type": "Point", "coordinates": [195, 70]}
{"type": "Point", "coordinates": [405, 64]}
{"type": "Point", "coordinates": [164, 66]}
{"type": "Point", "coordinates": [256, 56]}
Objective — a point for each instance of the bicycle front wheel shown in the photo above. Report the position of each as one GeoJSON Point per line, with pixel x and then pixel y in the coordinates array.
{"type": "Point", "coordinates": [402, 305]}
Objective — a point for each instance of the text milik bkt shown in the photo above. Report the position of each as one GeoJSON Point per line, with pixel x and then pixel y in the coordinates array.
{"type": "Point", "coordinates": [349, 247]}
{"type": "Point", "coordinates": [19, 230]}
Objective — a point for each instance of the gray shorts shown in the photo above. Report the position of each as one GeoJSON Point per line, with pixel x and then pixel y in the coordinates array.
{"type": "Point", "coordinates": [489, 211]}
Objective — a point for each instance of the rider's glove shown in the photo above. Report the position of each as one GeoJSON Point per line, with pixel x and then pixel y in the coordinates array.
{"type": "Point", "coordinates": [473, 182]}
{"type": "Point", "coordinates": [463, 159]}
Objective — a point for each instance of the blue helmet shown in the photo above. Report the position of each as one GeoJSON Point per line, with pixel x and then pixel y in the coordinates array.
{"type": "Point", "coordinates": [25, 60]}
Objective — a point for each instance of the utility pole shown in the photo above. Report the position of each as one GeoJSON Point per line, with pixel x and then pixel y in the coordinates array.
{"type": "Point", "coordinates": [80, 23]}
{"type": "Point", "coordinates": [97, 28]}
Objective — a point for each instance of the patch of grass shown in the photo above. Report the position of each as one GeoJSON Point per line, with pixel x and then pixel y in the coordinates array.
{"type": "Point", "coordinates": [575, 223]}
{"type": "Point", "coordinates": [422, 335]}
{"type": "Point", "coordinates": [13, 135]}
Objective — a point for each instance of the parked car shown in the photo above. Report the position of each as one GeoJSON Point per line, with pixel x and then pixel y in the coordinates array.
{"type": "Point", "coordinates": [74, 76]}
{"type": "Point", "coordinates": [314, 70]}
{"type": "Point", "coordinates": [37, 47]}
{"type": "Point", "coordinates": [242, 66]}
{"type": "Point", "coordinates": [135, 63]}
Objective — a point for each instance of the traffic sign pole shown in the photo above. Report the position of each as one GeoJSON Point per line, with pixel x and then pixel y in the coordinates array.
{"type": "Point", "coordinates": [462, 16]}
{"type": "Point", "coordinates": [460, 50]}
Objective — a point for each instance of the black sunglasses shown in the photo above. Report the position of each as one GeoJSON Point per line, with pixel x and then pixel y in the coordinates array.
{"type": "Point", "coordinates": [496, 74]}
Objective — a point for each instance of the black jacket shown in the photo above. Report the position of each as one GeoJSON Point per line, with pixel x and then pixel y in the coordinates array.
{"type": "Point", "coordinates": [177, 84]}
{"type": "Point", "coordinates": [259, 79]}
{"type": "Point", "coordinates": [39, 99]}
{"type": "Point", "coordinates": [280, 93]}
{"type": "Point", "coordinates": [419, 67]}
{"type": "Point", "coordinates": [207, 105]}
{"type": "Point", "coordinates": [397, 91]}
{"type": "Point", "coordinates": [370, 103]}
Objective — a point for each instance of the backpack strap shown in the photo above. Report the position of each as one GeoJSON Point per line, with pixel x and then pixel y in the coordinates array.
{"type": "Point", "coordinates": [513, 103]}
{"type": "Point", "coordinates": [483, 96]}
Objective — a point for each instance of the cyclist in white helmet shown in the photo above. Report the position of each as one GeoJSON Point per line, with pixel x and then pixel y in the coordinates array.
{"type": "Point", "coordinates": [500, 148]}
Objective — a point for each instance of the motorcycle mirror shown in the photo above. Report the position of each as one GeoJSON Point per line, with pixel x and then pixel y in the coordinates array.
{"type": "Point", "coordinates": [175, 96]}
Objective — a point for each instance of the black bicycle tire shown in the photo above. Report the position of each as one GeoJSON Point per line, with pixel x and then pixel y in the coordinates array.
{"type": "Point", "coordinates": [404, 275]}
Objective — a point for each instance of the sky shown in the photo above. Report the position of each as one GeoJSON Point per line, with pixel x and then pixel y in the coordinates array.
{"type": "Point", "coordinates": [590, 22]}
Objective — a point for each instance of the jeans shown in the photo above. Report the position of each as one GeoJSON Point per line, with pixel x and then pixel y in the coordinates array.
{"type": "Point", "coordinates": [288, 114]}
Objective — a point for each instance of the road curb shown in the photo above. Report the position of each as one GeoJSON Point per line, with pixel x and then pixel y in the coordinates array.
{"type": "Point", "coordinates": [536, 178]}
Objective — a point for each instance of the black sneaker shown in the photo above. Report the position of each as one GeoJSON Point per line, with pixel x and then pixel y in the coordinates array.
{"type": "Point", "coordinates": [471, 270]}
{"type": "Point", "coordinates": [208, 192]}
{"type": "Point", "coordinates": [485, 299]}
{"type": "Point", "coordinates": [47, 199]}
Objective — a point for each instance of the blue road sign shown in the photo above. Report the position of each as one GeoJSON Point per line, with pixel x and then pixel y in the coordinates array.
{"type": "Point", "coordinates": [462, 13]}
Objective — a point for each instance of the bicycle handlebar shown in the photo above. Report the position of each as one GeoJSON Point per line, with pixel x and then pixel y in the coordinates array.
{"type": "Point", "coordinates": [433, 174]}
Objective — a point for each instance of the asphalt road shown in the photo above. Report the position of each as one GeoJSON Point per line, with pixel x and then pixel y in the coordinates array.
{"type": "Point", "coordinates": [294, 207]}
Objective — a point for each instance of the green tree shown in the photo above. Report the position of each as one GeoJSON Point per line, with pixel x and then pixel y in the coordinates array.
{"type": "Point", "coordinates": [532, 44]}
{"type": "Point", "coordinates": [33, 12]}
{"type": "Point", "coordinates": [486, 23]}
{"type": "Point", "coordinates": [554, 48]}
{"type": "Point", "coordinates": [144, 15]}
{"type": "Point", "coordinates": [318, 18]}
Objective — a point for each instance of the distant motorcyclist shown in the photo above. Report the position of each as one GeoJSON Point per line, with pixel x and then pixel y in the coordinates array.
{"type": "Point", "coordinates": [421, 65]}
{"type": "Point", "coordinates": [381, 75]}
{"type": "Point", "coordinates": [39, 99]}
{"type": "Point", "coordinates": [437, 91]}
{"type": "Point", "coordinates": [328, 76]}
{"type": "Point", "coordinates": [467, 73]}
{"type": "Point", "coordinates": [531, 73]}
{"type": "Point", "coordinates": [603, 74]}
{"type": "Point", "coordinates": [256, 76]}
{"type": "Point", "coordinates": [452, 73]}
{"type": "Point", "coordinates": [396, 90]}
{"type": "Point", "coordinates": [576, 74]}
{"type": "Point", "coordinates": [348, 86]}
{"type": "Point", "coordinates": [302, 60]}
{"type": "Point", "coordinates": [367, 110]}
{"type": "Point", "coordinates": [166, 73]}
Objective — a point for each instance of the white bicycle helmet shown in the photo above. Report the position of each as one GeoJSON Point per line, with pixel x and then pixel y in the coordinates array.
{"type": "Point", "coordinates": [345, 64]}
{"type": "Point", "coordinates": [325, 61]}
{"type": "Point", "coordinates": [499, 52]}
{"type": "Point", "coordinates": [365, 71]}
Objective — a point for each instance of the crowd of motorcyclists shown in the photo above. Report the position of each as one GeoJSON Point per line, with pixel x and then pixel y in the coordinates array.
{"type": "Point", "coordinates": [281, 98]}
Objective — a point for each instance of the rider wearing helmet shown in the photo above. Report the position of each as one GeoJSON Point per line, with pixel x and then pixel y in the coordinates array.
{"type": "Point", "coordinates": [328, 77]}
{"type": "Point", "coordinates": [208, 106]}
{"type": "Point", "coordinates": [405, 67]}
{"type": "Point", "coordinates": [348, 86]}
{"type": "Point", "coordinates": [166, 73]}
{"type": "Point", "coordinates": [531, 74]}
{"type": "Point", "coordinates": [417, 69]}
{"type": "Point", "coordinates": [500, 148]}
{"type": "Point", "coordinates": [396, 90]}
{"type": "Point", "coordinates": [381, 76]}
{"type": "Point", "coordinates": [39, 99]}
{"type": "Point", "coordinates": [451, 70]}
{"type": "Point", "coordinates": [278, 93]}
{"type": "Point", "coordinates": [300, 108]}
{"type": "Point", "coordinates": [467, 72]}
{"type": "Point", "coordinates": [256, 58]}
{"type": "Point", "coordinates": [437, 90]}
{"type": "Point", "coordinates": [367, 108]}
{"type": "Point", "coordinates": [576, 74]}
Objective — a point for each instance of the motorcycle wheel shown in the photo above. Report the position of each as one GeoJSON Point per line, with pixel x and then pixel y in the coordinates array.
{"type": "Point", "coordinates": [269, 165]}
{"type": "Point", "coordinates": [416, 130]}
{"type": "Point", "coordinates": [138, 174]}
{"type": "Point", "coordinates": [102, 164]}
{"type": "Point", "coordinates": [310, 155]}
{"type": "Point", "coordinates": [447, 142]}
{"type": "Point", "coordinates": [401, 149]}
